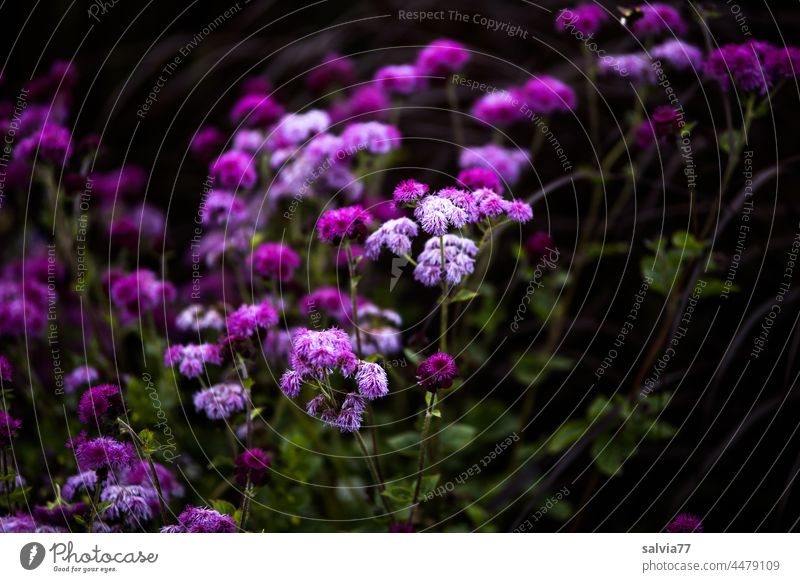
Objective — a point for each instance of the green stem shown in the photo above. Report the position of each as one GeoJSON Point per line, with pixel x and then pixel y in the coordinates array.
{"type": "Point", "coordinates": [455, 117]}
{"type": "Point", "coordinates": [426, 425]}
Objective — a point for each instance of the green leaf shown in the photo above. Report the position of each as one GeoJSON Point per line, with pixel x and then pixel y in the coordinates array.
{"type": "Point", "coordinates": [729, 140]}
{"type": "Point", "coordinates": [223, 506]}
{"type": "Point", "coordinates": [412, 356]}
{"type": "Point", "coordinates": [457, 436]}
{"type": "Point", "coordinates": [565, 435]}
{"type": "Point", "coordinates": [610, 451]}
{"type": "Point", "coordinates": [399, 493]}
{"type": "Point", "coordinates": [464, 295]}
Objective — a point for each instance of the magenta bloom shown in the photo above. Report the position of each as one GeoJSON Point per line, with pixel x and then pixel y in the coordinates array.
{"type": "Point", "coordinates": [402, 79]}
{"type": "Point", "coordinates": [438, 371]}
{"type": "Point", "coordinates": [739, 63]}
{"type": "Point", "coordinates": [477, 178]}
{"type": "Point", "coordinates": [192, 358]}
{"type": "Point", "coordinates": [368, 101]}
{"type": "Point", "coordinates": [6, 370]}
{"type": "Point", "coordinates": [680, 55]}
{"type": "Point", "coordinates": [23, 308]}
{"type": "Point", "coordinates": [234, 170]}
{"type": "Point", "coordinates": [252, 465]}
{"type": "Point", "coordinates": [98, 401]}
{"type": "Point", "coordinates": [9, 427]}
{"type": "Point", "coordinates": [335, 70]}
{"type": "Point", "coordinates": [659, 18]}
{"type": "Point", "coordinates": [349, 222]}
{"type": "Point", "coordinates": [539, 243]}
{"type": "Point", "coordinates": [546, 95]}
{"type": "Point", "coordinates": [223, 208]}
{"type": "Point", "coordinates": [409, 191]}
{"type": "Point", "coordinates": [246, 320]}
{"type": "Point", "coordinates": [52, 143]}
{"type": "Point", "coordinates": [499, 108]}
{"type": "Point", "coordinates": [274, 261]}
{"type": "Point", "coordinates": [782, 62]}
{"type": "Point", "coordinates": [220, 400]}
{"type": "Point", "coordinates": [201, 520]}
{"type": "Point", "coordinates": [315, 353]}
{"type": "Point", "coordinates": [685, 523]}
{"type": "Point", "coordinates": [207, 143]}
{"type": "Point", "coordinates": [104, 452]}
{"type": "Point", "coordinates": [372, 136]}
{"type": "Point", "coordinates": [585, 19]}
{"type": "Point", "coordinates": [519, 211]}
{"type": "Point", "coordinates": [372, 381]}
{"type": "Point", "coordinates": [506, 163]}
{"type": "Point", "coordinates": [256, 110]}
{"type": "Point", "coordinates": [442, 57]}
{"type": "Point", "coordinates": [140, 292]}
{"type": "Point", "coordinates": [139, 473]}
{"type": "Point", "coordinates": [437, 214]}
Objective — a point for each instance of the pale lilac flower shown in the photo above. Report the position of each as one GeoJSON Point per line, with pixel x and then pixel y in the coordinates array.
{"type": "Point", "coordinates": [192, 358]}
{"type": "Point", "coordinates": [377, 138]}
{"type": "Point", "coordinates": [317, 352]}
{"type": "Point", "coordinates": [459, 257]}
{"type": "Point", "coordinates": [402, 79]}
{"type": "Point", "coordinates": [197, 317]}
{"type": "Point", "coordinates": [131, 503]}
{"type": "Point", "coordinates": [545, 95]}
{"type": "Point", "coordinates": [382, 340]}
{"type": "Point", "coordinates": [291, 383]}
{"type": "Point", "coordinates": [350, 415]}
{"type": "Point", "coordinates": [80, 376]}
{"type": "Point", "coordinates": [498, 108]}
{"type": "Point", "coordinates": [83, 482]}
{"type": "Point", "coordinates": [637, 66]}
{"type": "Point", "coordinates": [221, 208]}
{"type": "Point", "coordinates": [508, 163]}
{"type": "Point", "coordinates": [220, 400]}
{"type": "Point", "coordinates": [585, 19]}
{"type": "Point", "coordinates": [296, 128]}
{"type": "Point", "coordinates": [395, 235]}
{"type": "Point", "coordinates": [372, 381]}
{"type": "Point", "coordinates": [441, 57]}
{"type": "Point", "coordinates": [519, 211]}
{"type": "Point", "coordinates": [437, 214]}
{"type": "Point", "coordinates": [250, 141]}
{"type": "Point", "coordinates": [657, 18]}
{"type": "Point", "coordinates": [679, 54]}
{"type": "Point", "coordinates": [463, 199]}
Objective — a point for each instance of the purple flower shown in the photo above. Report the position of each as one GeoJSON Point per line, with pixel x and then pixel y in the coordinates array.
{"type": "Point", "coordinates": [140, 292]}
{"type": "Point", "coordinates": [252, 466]}
{"type": "Point", "coordinates": [23, 308]}
{"type": "Point", "coordinates": [348, 222]}
{"type": "Point", "coordinates": [256, 110]}
{"type": "Point", "coordinates": [235, 170]}
{"type": "Point", "coordinates": [317, 352]}
{"type": "Point", "coordinates": [782, 62]}
{"type": "Point", "coordinates": [478, 177]}
{"type": "Point", "coordinates": [383, 340]}
{"type": "Point", "coordinates": [313, 406]}
{"type": "Point", "coordinates": [6, 370]}
{"type": "Point", "coordinates": [395, 235]}
{"type": "Point", "coordinates": [409, 191]}
{"type": "Point", "coordinates": [196, 318]}
{"type": "Point", "coordinates": [220, 400]}
{"type": "Point", "coordinates": [373, 136]}
{"type": "Point", "coordinates": [82, 482]}
{"type": "Point", "coordinates": [507, 163]}
{"type": "Point", "coordinates": [61, 515]}
{"type": "Point", "coordinates": [665, 121]}
{"type": "Point", "coordinates": [297, 128]}
{"type": "Point", "coordinates": [140, 473]}
{"type": "Point", "coordinates": [365, 102]}
{"type": "Point", "coordinates": [437, 214]}
{"type": "Point", "coordinates": [372, 381]}
{"type": "Point", "coordinates": [401, 527]}
{"type": "Point", "coordinates": [222, 208]}
{"type": "Point", "coordinates": [192, 358]}
{"type": "Point", "coordinates": [131, 503]}
{"type": "Point", "coordinates": [349, 419]}
{"type": "Point", "coordinates": [246, 320]}
{"type": "Point", "coordinates": [657, 18]}
{"type": "Point", "coordinates": [681, 55]}
{"type": "Point", "coordinates": [98, 401]}
{"type": "Point", "coordinates": [201, 520]}
{"type": "Point", "coordinates": [274, 261]}
{"type": "Point", "coordinates": [685, 523]}
{"type": "Point", "coordinates": [442, 57]}
{"type": "Point", "coordinates": [546, 95]}
{"type": "Point", "coordinates": [9, 427]}
{"type": "Point", "coordinates": [636, 66]}
{"type": "Point", "coordinates": [20, 523]}
{"type": "Point", "coordinates": [329, 300]}
{"type": "Point", "coordinates": [437, 371]}
{"type": "Point", "coordinates": [740, 63]}
{"type": "Point", "coordinates": [498, 108]}
{"type": "Point", "coordinates": [519, 211]}
{"type": "Point", "coordinates": [402, 79]}
{"type": "Point", "coordinates": [291, 382]}
{"type": "Point", "coordinates": [334, 70]}
{"type": "Point", "coordinates": [207, 143]}
{"type": "Point", "coordinates": [104, 452]}
{"type": "Point", "coordinates": [459, 257]}
{"type": "Point", "coordinates": [51, 143]}
{"type": "Point", "coordinates": [464, 200]}
{"type": "Point", "coordinates": [490, 204]}
{"type": "Point", "coordinates": [585, 19]}
{"type": "Point", "coordinates": [539, 243]}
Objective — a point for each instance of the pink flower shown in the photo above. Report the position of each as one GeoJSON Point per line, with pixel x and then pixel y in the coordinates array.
{"type": "Point", "coordinates": [274, 261]}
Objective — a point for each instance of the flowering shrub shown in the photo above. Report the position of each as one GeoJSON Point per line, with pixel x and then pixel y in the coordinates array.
{"type": "Point", "coordinates": [393, 267]}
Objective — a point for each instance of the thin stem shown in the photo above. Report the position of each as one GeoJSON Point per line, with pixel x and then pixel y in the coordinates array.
{"type": "Point", "coordinates": [426, 425]}
{"type": "Point", "coordinates": [353, 295]}
{"type": "Point", "coordinates": [373, 469]}
{"type": "Point", "coordinates": [157, 483]}
{"type": "Point", "coordinates": [443, 310]}
{"type": "Point", "coordinates": [455, 117]}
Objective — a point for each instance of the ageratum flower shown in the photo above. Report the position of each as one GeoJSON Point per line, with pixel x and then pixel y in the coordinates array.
{"type": "Point", "coordinates": [131, 503]}
{"type": "Point", "coordinates": [395, 235]}
{"type": "Point", "coordinates": [478, 177]}
{"type": "Point", "coordinates": [83, 482]}
{"type": "Point", "coordinates": [222, 208]}
{"type": "Point", "coordinates": [20, 523]}
{"type": "Point", "coordinates": [459, 257]}
{"type": "Point", "coordinates": [104, 452]}
{"type": "Point", "coordinates": [196, 318]}
{"type": "Point", "coordinates": [252, 466]}
{"type": "Point", "coordinates": [335, 70]}
{"type": "Point", "coordinates": [192, 358]}
{"type": "Point", "coordinates": [383, 340]}
{"type": "Point", "coordinates": [409, 191]}
{"type": "Point", "coordinates": [250, 141]}
{"type": "Point", "coordinates": [372, 381]}
{"type": "Point", "coordinates": [375, 137]}
{"type": "Point", "coordinates": [350, 415]}
{"type": "Point", "coordinates": [464, 200]}
{"type": "Point", "coordinates": [401, 79]}
{"type": "Point", "coordinates": [234, 170]}
{"type": "Point", "coordinates": [329, 300]}
{"type": "Point", "coordinates": [207, 143]}
{"type": "Point", "coordinates": [296, 128]}
{"type": "Point", "coordinates": [437, 371]}
{"type": "Point", "coordinates": [685, 523]}
{"type": "Point", "coordinates": [315, 353]}
{"type": "Point", "coordinates": [752, 65]}
{"type": "Point", "coordinates": [99, 401]}
{"type": "Point", "coordinates": [441, 57]}
{"type": "Point", "coordinates": [499, 108]}
{"type": "Point", "coordinates": [782, 62]}
{"type": "Point", "coordinates": [23, 308]}
{"type": "Point", "coordinates": [61, 515]}
{"type": "Point", "coordinates": [585, 18]}
{"type": "Point", "coordinates": [518, 211]}
{"type": "Point", "coordinates": [545, 95]}
{"type": "Point", "coordinates": [256, 110]}
{"type": "Point", "coordinates": [505, 162]}
{"type": "Point", "coordinates": [274, 261]}
{"type": "Point", "coordinates": [220, 400]}
{"type": "Point", "coordinates": [349, 222]}
{"type": "Point", "coordinates": [9, 427]}
{"type": "Point", "coordinates": [140, 473]}
{"type": "Point", "coordinates": [51, 143]}
{"type": "Point", "coordinates": [139, 292]}
{"type": "Point", "coordinates": [6, 370]}
{"type": "Point", "coordinates": [246, 320]}
{"type": "Point", "coordinates": [659, 18]}
{"type": "Point", "coordinates": [201, 520]}
{"type": "Point", "coordinates": [490, 204]}
{"type": "Point", "coordinates": [680, 55]}
{"type": "Point", "coordinates": [367, 102]}
{"type": "Point", "coordinates": [637, 66]}
{"type": "Point", "coordinates": [436, 215]}
{"type": "Point", "coordinates": [291, 383]}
